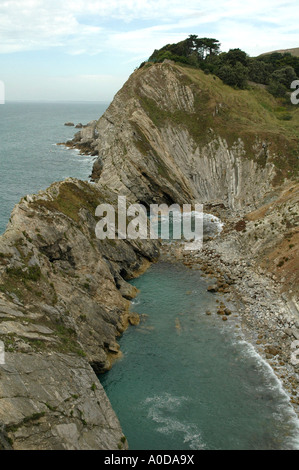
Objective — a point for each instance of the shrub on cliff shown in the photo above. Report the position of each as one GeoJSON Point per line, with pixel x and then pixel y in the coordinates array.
{"type": "Point", "coordinates": [277, 89]}
{"type": "Point", "coordinates": [235, 76]}
{"type": "Point", "coordinates": [285, 76]}
{"type": "Point", "coordinates": [234, 67]}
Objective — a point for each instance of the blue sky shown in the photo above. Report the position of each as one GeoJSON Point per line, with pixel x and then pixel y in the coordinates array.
{"type": "Point", "coordinates": [86, 49]}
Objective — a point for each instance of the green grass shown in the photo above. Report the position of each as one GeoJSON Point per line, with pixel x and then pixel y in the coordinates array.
{"type": "Point", "coordinates": [71, 199]}
{"type": "Point", "coordinates": [5, 255]}
{"type": "Point", "coordinates": [27, 420]}
{"type": "Point", "coordinates": [68, 342]}
{"type": "Point", "coordinates": [32, 273]}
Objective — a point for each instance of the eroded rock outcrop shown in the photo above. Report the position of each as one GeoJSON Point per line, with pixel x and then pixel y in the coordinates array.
{"type": "Point", "coordinates": [63, 303]}
{"type": "Point", "coordinates": [176, 134]}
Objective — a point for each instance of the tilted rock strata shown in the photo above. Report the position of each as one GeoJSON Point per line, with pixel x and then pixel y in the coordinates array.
{"type": "Point", "coordinates": [54, 401]}
{"type": "Point", "coordinates": [173, 134]}
{"type": "Point", "coordinates": [64, 301]}
{"type": "Point", "coordinates": [169, 136]}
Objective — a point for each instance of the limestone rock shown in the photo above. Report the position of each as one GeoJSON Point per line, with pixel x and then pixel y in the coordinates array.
{"type": "Point", "coordinates": [50, 402]}
{"type": "Point", "coordinates": [213, 288]}
{"type": "Point", "coordinates": [97, 169]}
{"type": "Point", "coordinates": [154, 159]}
{"type": "Point", "coordinates": [134, 319]}
{"type": "Point", "coordinates": [74, 305]}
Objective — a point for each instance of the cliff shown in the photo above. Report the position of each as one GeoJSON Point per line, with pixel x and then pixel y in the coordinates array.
{"type": "Point", "coordinates": [173, 133]}
{"type": "Point", "coordinates": [63, 302]}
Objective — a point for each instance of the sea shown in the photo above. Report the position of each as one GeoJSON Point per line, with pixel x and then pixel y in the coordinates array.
{"type": "Point", "coordinates": [186, 381]}
{"type": "Point", "coordinates": [30, 159]}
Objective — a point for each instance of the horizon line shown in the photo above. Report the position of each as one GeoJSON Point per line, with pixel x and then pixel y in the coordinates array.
{"type": "Point", "coordinates": [57, 101]}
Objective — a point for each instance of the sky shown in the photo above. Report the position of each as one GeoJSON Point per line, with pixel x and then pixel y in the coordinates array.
{"type": "Point", "coordinates": [85, 50]}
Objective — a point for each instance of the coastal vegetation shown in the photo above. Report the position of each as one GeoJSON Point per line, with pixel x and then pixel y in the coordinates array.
{"type": "Point", "coordinates": [234, 112]}
{"type": "Point", "coordinates": [236, 68]}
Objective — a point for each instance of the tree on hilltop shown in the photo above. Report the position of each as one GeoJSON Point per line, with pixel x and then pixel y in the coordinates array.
{"type": "Point", "coordinates": [234, 67]}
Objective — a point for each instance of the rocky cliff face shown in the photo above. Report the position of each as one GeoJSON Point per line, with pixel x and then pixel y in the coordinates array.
{"type": "Point", "coordinates": [63, 303]}
{"type": "Point", "coordinates": [174, 134]}
{"type": "Point", "coordinates": [272, 234]}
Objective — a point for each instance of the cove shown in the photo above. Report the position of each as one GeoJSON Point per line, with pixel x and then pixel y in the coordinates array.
{"type": "Point", "coordinates": [190, 381]}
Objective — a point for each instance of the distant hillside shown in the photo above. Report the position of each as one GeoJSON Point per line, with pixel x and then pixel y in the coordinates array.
{"type": "Point", "coordinates": [294, 52]}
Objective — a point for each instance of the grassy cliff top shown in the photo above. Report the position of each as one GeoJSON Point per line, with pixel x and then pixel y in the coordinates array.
{"type": "Point", "coordinates": [251, 114]}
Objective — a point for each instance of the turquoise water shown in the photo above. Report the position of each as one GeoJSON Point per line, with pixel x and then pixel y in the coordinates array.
{"type": "Point", "coordinates": [30, 160]}
{"type": "Point", "coordinates": [187, 380]}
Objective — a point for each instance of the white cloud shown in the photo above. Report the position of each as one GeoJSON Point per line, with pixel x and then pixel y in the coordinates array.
{"type": "Point", "coordinates": [37, 24]}
{"type": "Point", "coordinates": [88, 26]}
{"type": "Point", "coordinates": [125, 32]}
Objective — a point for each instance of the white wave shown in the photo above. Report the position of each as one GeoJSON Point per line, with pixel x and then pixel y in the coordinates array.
{"type": "Point", "coordinates": [167, 401]}
{"type": "Point", "coordinates": [209, 218]}
{"type": "Point", "coordinates": [284, 408]}
{"type": "Point", "coordinates": [160, 410]}
{"type": "Point", "coordinates": [211, 224]}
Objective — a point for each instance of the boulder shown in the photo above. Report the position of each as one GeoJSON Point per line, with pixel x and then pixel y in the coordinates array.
{"type": "Point", "coordinates": [134, 319]}
{"type": "Point", "coordinates": [214, 288]}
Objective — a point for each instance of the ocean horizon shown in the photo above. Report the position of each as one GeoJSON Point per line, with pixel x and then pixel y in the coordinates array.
{"type": "Point", "coordinates": [30, 160]}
